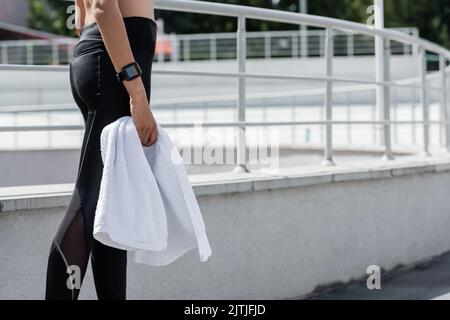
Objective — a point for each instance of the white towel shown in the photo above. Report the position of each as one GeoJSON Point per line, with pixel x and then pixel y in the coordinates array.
{"type": "Point", "coordinates": [146, 203]}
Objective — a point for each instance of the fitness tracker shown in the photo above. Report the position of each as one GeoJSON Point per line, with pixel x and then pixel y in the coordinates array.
{"type": "Point", "coordinates": [130, 72]}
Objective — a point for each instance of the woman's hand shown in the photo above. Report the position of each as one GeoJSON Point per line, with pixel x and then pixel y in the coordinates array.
{"type": "Point", "coordinates": [144, 121]}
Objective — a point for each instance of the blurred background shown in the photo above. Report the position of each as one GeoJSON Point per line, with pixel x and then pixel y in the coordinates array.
{"type": "Point", "coordinates": [36, 46]}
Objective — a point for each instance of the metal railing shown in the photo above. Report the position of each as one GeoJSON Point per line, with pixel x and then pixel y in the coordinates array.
{"type": "Point", "coordinates": [276, 44]}
{"type": "Point", "coordinates": [37, 52]}
{"type": "Point", "coordinates": [383, 85]}
{"type": "Point", "coordinates": [259, 103]}
{"type": "Point", "coordinates": [383, 36]}
{"type": "Point", "coordinates": [212, 46]}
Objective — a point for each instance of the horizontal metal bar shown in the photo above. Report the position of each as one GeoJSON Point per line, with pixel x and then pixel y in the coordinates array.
{"type": "Point", "coordinates": [169, 104]}
{"type": "Point", "coordinates": [288, 77]}
{"type": "Point", "coordinates": [40, 128]}
{"type": "Point", "coordinates": [230, 75]}
{"type": "Point", "coordinates": [274, 33]}
{"type": "Point", "coordinates": [238, 75]}
{"type": "Point", "coordinates": [223, 124]}
{"type": "Point", "coordinates": [234, 75]}
{"type": "Point", "coordinates": [287, 123]}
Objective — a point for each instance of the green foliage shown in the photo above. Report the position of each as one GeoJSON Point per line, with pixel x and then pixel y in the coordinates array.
{"type": "Point", "coordinates": [49, 15]}
{"type": "Point", "coordinates": [432, 17]}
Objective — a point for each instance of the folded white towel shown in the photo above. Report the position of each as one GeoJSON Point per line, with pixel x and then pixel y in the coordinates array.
{"type": "Point", "coordinates": [146, 203]}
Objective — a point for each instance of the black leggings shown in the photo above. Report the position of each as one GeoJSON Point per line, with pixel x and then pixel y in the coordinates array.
{"type": "Point", "coordinates": [101, 99]}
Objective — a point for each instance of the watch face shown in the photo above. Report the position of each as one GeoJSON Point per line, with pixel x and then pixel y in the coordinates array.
{"type": "Point", "coordinates": [131, 71]}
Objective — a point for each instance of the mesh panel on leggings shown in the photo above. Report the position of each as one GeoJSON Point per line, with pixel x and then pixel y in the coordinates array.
{"type": "Point", "coordinates": [69, 254]}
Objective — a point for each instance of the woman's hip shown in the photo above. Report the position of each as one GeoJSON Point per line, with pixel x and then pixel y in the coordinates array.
{"type": "Point", "coordinates": [94, 80]}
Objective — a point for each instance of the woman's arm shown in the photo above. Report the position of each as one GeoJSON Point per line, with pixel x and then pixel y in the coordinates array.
{"type": "Point", "coordinates": [80, 14]}
{"type": "Point", "coordinates": [112, 27]}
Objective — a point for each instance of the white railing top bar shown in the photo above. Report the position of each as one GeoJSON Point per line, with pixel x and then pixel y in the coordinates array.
{"type": "Point", "coordinates": [232, 10]}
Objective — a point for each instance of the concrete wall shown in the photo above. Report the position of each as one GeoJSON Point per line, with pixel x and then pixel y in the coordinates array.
{"type": "Point", "coordinates": [32, 167]}
{"type": "Point", "coordinates": [273, 236]}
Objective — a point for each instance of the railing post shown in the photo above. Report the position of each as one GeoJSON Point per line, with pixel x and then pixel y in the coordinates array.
{"type": "Point", "coordinates": [414, 47]}
{"type": "Point", "coordinates": [424, 101]}
{"type": "Point", "coordinates": [304, 48]}
{"type": "Point", "coordinates": [4, 54]}
{"type": "Point", "coordinates": [70, 50]}
{"type": "Point", "coordinates": [384, 99]}
{"type": "Point", "coordinates": [329, 54]}
{"type": "Point", "coordinates": [444, 102]}
{"type": "Point", "coordinates": [175, 42]}
{"type": "Point", "coordinates": [29, 55]}
{"type": "Point", "coordinates": [267, 46]}
{"type": "Point", "coordinates": [213, 48]}
{"type": "Point", "coordinates": [382, 56]}
{"type": "Point", "coordinates": [303, 8]}
{"type": "Point", "coordinates": [55, 53]}
{"type": "Point", "coordinates": [186, 50]}
{"type": "Point", "coordinates": [241, 58]}
{"type": "Point", "coordinates": [350, 45]}
{"type": "Point", "coordinates": [295, 47]}
{"type": "Point", "coordinates": [161, 54]}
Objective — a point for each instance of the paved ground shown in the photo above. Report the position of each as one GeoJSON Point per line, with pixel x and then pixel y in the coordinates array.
{"type": "Point", "coordinates": [425, 282]}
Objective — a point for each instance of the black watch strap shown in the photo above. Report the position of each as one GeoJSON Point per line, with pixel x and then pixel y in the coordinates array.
{"type": "Point", "coordinates": [130, 72]}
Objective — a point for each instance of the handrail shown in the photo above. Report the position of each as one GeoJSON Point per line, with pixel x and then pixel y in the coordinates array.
{"type": "Point", "coordinates": [235, 124]}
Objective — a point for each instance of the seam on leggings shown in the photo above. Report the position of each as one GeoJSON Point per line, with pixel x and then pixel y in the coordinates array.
{"type": "Point", "coordinates": [87, 144]}
{"type": "Point", "coordinates": [98, 74]}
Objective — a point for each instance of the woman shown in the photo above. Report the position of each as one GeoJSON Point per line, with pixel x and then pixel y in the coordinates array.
{"type": "Point", "coordinates": [110, 78]}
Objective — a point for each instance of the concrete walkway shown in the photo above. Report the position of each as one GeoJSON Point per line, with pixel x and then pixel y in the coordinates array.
{"type": "Point", "coordinates": [425, 282]}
